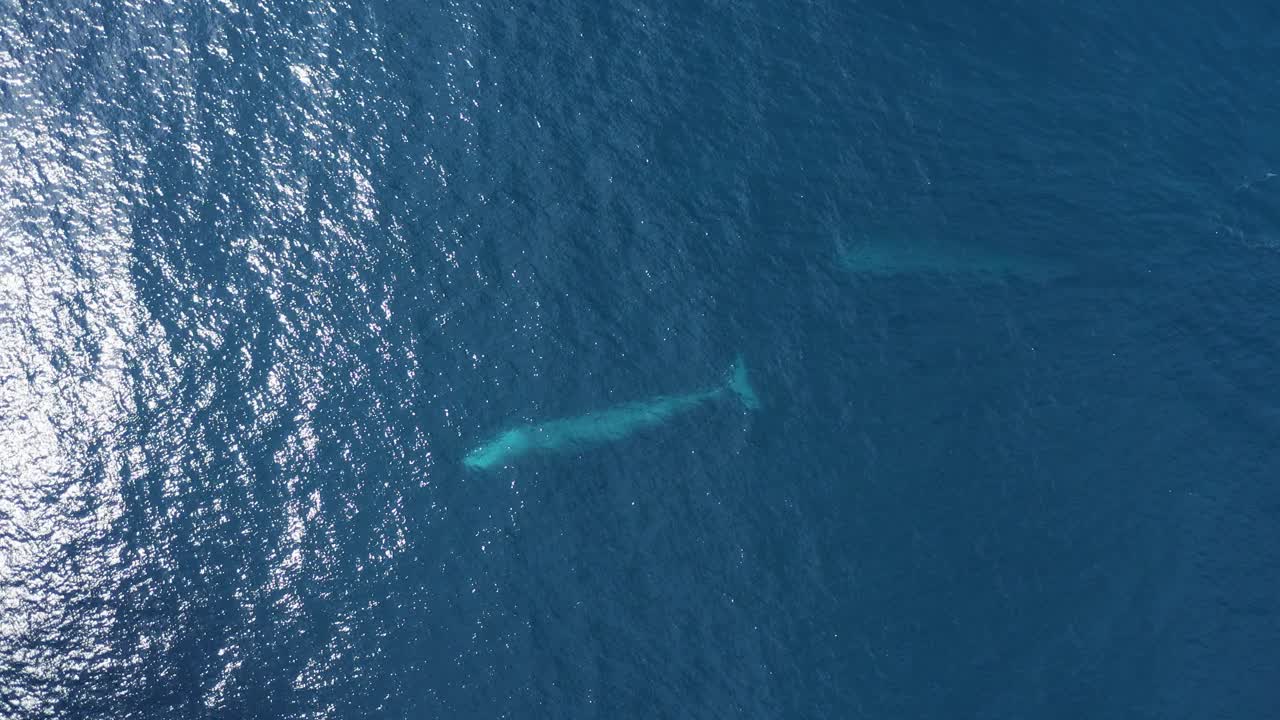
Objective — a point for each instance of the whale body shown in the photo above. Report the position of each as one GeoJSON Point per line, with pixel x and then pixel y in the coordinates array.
{"type": "Point", "coordinates": [878, 259]}
{"type": "Point", "coordinates": [595, 428]}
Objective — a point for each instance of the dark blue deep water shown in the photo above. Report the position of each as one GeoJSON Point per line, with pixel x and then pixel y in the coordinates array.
{"type": "Point", "coordinates": [1006, 277]}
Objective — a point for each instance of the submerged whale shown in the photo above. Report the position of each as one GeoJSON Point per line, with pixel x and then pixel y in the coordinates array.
{"type": "Point", "coordinates": [595, 428]}
{"type": "Point", "coordinates": [878, 259]}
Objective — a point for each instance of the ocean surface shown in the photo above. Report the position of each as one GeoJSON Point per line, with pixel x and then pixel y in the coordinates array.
{"type": "Point", "coordinates": [1005, 277]}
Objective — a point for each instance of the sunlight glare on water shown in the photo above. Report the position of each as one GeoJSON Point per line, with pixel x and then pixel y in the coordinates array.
{"type": "Point", "coordinates": [70, 329]}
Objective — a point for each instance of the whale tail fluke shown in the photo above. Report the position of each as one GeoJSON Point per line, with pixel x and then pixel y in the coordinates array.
{"type": "Point", "coordinates": [740, 384]}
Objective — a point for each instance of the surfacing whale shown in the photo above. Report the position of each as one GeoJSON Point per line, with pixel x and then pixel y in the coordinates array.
{"type": "Point", "coordinates": [595, 428]}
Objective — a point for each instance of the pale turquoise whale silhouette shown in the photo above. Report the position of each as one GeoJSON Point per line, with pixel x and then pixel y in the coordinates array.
{"type": "Point", "coordinates": [881, 259]}
{"type": "Point", "coordinates": [595, 428]}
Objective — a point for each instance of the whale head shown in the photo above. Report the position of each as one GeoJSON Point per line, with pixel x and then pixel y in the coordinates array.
{"type": "Point", "coordinates": [496, 451]}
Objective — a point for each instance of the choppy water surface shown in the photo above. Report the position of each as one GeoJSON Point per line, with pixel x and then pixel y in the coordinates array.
{"type": "Point", "coordinates": [1005, 279]}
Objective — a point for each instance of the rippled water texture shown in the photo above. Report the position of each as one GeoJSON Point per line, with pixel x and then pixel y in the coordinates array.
{"type": "Point", "coordinates": [272, 275]}
{"type": "Point", "coordinates": [192, 255]}
{"type": "Point", "coordinates": [71, 328]}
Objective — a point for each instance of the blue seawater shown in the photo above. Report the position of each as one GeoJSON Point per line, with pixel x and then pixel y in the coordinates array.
{"type": "Point", "coordinates": [1006, 277]}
